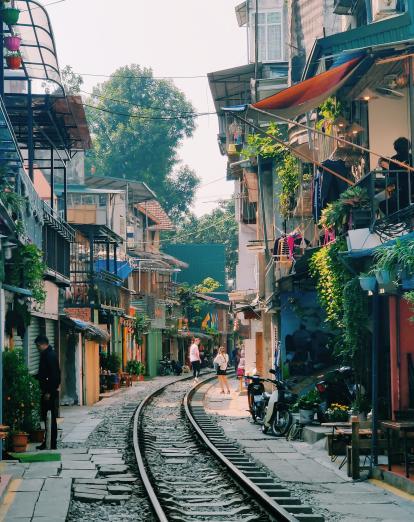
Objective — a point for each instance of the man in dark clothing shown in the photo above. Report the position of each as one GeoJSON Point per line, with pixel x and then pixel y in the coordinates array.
{"type": "Point", "coordinates": [49, 380]}
{"type": "Point", "coordinates": [400, 178]}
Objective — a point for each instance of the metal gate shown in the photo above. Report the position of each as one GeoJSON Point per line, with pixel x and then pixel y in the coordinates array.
{"type": "Point", "coordinates": [51, 331]}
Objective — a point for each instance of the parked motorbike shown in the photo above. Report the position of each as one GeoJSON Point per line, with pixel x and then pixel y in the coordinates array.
{"type": "Point", "coordinates": [166, 367]}
{"type": "Point", "coordinates": [270, 408]}
{"type": "Point", "coordinates": [337, 386]}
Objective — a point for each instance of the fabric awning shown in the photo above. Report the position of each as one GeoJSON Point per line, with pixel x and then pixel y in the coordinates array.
{"type": "Point", "coordinates": [90, 330]}
{"type": "Point", "coordinates": [309, 94]}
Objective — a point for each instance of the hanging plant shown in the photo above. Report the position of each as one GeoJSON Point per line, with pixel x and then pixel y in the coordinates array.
{"type": "Point", "coordinates": [288, 174]}
{"type": "Point", "coordinates": [12, 42]}
{"type": "Point", "coordinates": [27, 270]}
{"type": "Point", "coordinates": [331, 277]}
{"type": "Point", "coordinates": [142, 325]}
{"type": "Point", "coordinates": [11, 15]}
{"type": "Point", "coordinates": [264, 146]}
{"type": "Point", "coordinates": [335, 215]}
{"type": "Point", "coordinates": [329, 111]}
{"type": "Point", "coordinates": [14, 60]}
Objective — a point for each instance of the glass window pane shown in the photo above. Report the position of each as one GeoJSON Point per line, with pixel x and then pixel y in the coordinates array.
{"type": "Point", "coordinates": [274, 18]}
{"type": "Point", "coordinates": [274, 44]}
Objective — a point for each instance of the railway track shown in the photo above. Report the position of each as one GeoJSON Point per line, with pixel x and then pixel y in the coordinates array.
{"type": "Point", "coordinates": [191, 471]}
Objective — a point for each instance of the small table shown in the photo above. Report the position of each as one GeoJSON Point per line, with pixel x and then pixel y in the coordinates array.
{"type": "Point", "coordinates": [405, 427]}
{"type": "Point", "coordinates": [336, 426]}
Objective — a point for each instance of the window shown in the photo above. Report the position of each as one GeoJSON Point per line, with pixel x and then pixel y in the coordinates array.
{"type": "Point", "coordinates": [270, 36]}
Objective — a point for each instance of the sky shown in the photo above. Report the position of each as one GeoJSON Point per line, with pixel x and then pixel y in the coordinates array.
{"type": "Point", "coordinates": [175, 38]}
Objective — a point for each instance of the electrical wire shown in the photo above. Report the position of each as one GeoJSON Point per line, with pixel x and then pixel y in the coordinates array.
{"type": "Point", "coordinates": [140, 117]}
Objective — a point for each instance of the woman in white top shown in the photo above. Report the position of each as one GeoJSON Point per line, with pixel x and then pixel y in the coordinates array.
{"type": "Point", "coordinates": [222, 361]}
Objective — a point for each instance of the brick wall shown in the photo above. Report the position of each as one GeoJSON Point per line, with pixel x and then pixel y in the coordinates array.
{"type": "Point", "coordinates": [83, 314]}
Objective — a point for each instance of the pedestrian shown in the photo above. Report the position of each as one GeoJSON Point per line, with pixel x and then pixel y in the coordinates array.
{"type": "Point", "coordinates": [241, 369]}
{"type": "Point", "coordinates": [195, 359]}
{"type": "Point", "coordinates": [49, 381]}
{"type": "Point", "coordinates": [222, 362]}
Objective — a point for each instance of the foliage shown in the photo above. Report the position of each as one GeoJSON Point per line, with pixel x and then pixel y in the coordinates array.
{"type": "Point", "coordinates": [27, 270]}
{"type": "Point", "coordinates": [218, 226]}
{"type": "Point", "coordinates": [289, 177]}
{"type": "Point", "coordinates": [331, 277]}
{"type": "Point", "coordinates": [361, 404]}
{"type": "Point", "coordinates": [21, 393]}
{"type": "Point", "coordinates": [111, 362]}
{"type": "Point", "coordinates": [329, 111]}
{"type": "Point", "coordinates": [395, 257]}
{"type": "Point", "coordinates": [335, 214]}
{"type": "Point", "coordinates": [138, 124]}
{"type": "Point", "coordinates": [337, 413]}
{"type": "Point", "coordinates": [142, 324]}
{"type": "Point", "coordinates": [409, 297]}
{"type": "Point", "coordinates": [206, 286]}
{"type": "Point", "coordinates": [356, 336]}
{"type": "Point", "coordinates": [309, 401]}
{"type": "Point", "coordinates": [190, 303]}
{"type": "Point", "coordinates": [72, 82]}
{"type": "Point", "coordinates": [135, 368]}
{"type": "Point", "coordinates": [264, 146]}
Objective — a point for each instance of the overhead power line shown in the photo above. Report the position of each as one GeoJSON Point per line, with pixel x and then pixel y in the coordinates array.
{"type": "Point", "coordinates": [141, 117]}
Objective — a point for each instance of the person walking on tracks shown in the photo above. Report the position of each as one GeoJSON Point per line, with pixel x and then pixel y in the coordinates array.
{"type": "Point", "coordinates": [49, 381]}
{"type": "Point", "coordinates": [195, 358]}
{"type": "Point", "coordinates": [222, 362]}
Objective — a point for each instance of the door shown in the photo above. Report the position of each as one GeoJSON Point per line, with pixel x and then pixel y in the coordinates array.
{"type": "Point", "coordinates": [259, 354]}
{"type": "Point", "coordinates": [91, 372]}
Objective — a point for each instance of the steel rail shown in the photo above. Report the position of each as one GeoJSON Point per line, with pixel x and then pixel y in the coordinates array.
{"type": "Point", "coordinates": [274, 509]}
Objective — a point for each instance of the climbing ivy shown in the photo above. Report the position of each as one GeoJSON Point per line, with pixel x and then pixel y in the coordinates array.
{"type": "Point", "coordinates": [288, 174]}
{"type": "Point", "coordinates": [331, 277]}
{"type": "Point", "coordinates": [264, 146]}
{"type": "Point", "coordinates": [27, 270]}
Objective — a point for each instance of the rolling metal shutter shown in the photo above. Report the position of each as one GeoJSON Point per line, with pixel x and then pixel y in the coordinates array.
{"type": "Point", "coordinates": [18, 341]}
{"type": "Point", "coordinates": [34, 356]}
{"type": "Point", "coordinates": [50, 332]}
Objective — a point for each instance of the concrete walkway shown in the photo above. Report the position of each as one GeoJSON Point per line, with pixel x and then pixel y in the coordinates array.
{"type": "Point", "coordinates": [42, 491]}
{"type": "Point", "coordinates": [307, 470]}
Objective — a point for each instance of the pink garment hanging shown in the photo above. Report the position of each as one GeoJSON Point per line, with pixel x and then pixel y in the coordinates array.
{"type": "Point", "coordinates": [329, 236]}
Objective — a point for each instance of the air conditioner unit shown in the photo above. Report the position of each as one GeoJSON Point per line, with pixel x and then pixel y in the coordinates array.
{"type": "Point", "coordinates": [383, 8]}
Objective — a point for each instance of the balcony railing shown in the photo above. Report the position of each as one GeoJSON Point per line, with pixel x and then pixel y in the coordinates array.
{"type": "Point", "coordinates": [391, 194]}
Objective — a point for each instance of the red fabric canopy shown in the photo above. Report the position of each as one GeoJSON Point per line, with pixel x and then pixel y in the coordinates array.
{"type": "Point", "coordinates": [307, 95]}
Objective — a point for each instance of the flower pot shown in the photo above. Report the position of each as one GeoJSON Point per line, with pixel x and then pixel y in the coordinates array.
{"type": "Point", "coordinates": [14, 62]}
{"type": "Point", "coordinates": [384, 277]}
{"type": "Point", "coordinates": [306, 416]}
{"type": "Point", "coordinates": [407, 280]}
{"type": "Point", "coordinates": [12, 43]}
{"type": "Point", "coordinates": [19, 442]}
{"type": "Point", "coordinates": [134, 378]}
{"type": "Point", "coordinates": [11, 15]}
{"type": "Point", "coordinates": [140, 377]}
{"type": "Point", "coordinates": [368, 283]}
{"type": "Point", "coordinates": [37, 436]}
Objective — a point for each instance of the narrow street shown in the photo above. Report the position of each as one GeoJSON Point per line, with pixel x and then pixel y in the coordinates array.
{"type": "Point", "coordinates": [207, 261]}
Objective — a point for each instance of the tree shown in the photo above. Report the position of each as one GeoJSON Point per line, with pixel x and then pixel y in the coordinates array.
{"type": "Point", "coordinates": [218, 226]}
{"type": "Point", "coordinates": [137, 124]}
{"type": "Point", "coordinates": [182, 185]}
{"type": "Point", "coordinates": [72, 82]}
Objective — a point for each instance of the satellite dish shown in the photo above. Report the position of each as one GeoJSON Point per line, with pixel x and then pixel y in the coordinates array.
{"type": "Point", "coordinates": [385, 91]}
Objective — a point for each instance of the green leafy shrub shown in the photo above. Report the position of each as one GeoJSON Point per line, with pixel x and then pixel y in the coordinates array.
{"type": "Point", "coordinates": [336, 214]}
{"type": "Point", "coordinates": [111, 362]}
{"type": "Point", "coordinates": [27, 270]}
{"type": "Point", "coordinates": [133, 367]}
{"type": "Point", "coordinates": [21, 394]}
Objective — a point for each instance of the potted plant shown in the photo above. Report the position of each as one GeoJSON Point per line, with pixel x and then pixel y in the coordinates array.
{"type": "Point", "coordinates": [368, 282]}
{"type": "Point", "coordinates": [11, 15]}
{"type": "Point", "coordinates": [133, 368]}
{"type": "Point", "coordinates": [361, 407]}
{"type": "Point", "coordinates": [14, 60]}
{"type": "Point", "coordinates": [337, 413]}
{"type": "Point", "coordinates": [12, 42]}
{"type": "Point", "coordinates": [307, 405]}
{"type": "Point", "coordinates": [37, 433]}
{"type": "Point", "coordinates": [21, 399]}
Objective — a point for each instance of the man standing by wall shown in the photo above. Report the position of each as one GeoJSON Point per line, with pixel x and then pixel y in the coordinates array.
{"type": "Point", "coordinates": [49, 380]}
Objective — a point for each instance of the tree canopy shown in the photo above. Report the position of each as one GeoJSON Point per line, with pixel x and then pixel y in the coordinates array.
{"type": "Point", "coordinates": [137, 124]}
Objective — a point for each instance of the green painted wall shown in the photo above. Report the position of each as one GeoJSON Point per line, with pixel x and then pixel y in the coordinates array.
{"type": "Point", "coordinates": [154, 352]}
{"type": "Point", "coordinates": [116, 338]}
{"type": "Point", "coordinates": [204, 260]}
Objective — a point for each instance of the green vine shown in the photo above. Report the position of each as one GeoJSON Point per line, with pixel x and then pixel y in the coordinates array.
{"type": "Point", "coordinates": [331, 277]}
{"type": "Point", "coordinates": [264, 146]}
{"type": "Point", "coordinates": [27, 270]}
{"type": "Point", "coordinates": [409, 297]}
{"type": "Point", "coordinates": [289, 177]}
{"type": "Point", "coordinates": [142, 325]}
{"type": "Point", "coordinates": [329, 111]}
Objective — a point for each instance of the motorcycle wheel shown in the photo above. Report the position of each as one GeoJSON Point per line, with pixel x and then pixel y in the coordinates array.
{"type": "Point", "coordinates": [281, 423]}
{"type": "Point", "coordinates": [252, 408]}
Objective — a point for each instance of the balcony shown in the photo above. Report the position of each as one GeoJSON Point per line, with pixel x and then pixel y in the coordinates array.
{"type": "Point", "coordinates": [344, 7]}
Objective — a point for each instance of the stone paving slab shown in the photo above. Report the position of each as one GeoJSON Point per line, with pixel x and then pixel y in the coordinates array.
{"type": "Point", "coordinates": [42, 470]}
{"type": "Point", "coordinates": [76, 457]}
{"type": "Point", "coordinates": [49, 505]}
{"type": "Point", "coordinates": [103, 451]}
{"type": "Point", "coordinates": [78, 473]}
{"type": "Point", "coordinates": [77, 464]}
{"type": "Point", "coordinates": [22, 505]}
{"type": "Point", "coordinates": [29, 485]}
{"type": "Point", "coordinates": [57, 484]}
